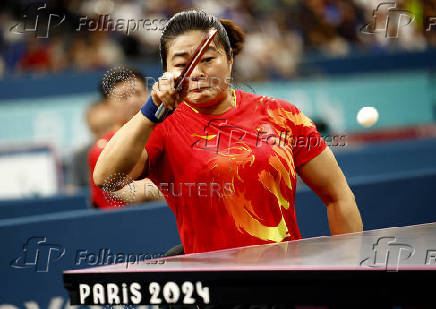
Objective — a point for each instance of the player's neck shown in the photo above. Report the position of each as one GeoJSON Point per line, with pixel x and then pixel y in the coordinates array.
{"type": "Point", "coordinates": [220, 108]}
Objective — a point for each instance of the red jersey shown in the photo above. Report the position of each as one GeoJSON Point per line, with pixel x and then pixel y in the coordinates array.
{"type": "Point", "coordinates": [98, 198]}
{"type": "Point", "coordinates": [230, 179]}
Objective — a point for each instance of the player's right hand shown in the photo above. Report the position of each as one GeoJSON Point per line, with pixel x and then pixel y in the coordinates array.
{"type": "Point", "coordinates": [164, 92]}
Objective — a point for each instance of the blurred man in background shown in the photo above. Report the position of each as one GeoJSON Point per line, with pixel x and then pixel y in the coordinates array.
{"type": "Point", "coordinates": [125, 91]}
{"type": "Point", "coordinates": [100, 120]}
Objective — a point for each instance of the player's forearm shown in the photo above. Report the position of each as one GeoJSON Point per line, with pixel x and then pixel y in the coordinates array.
{"type": "Point", "coordinates": [139, 191]}
{"type": "Point", "coordinates": [344, 216]}
{"type": "Point", "coordinates": [124, 150]}
{"type": "Point", "coordinates": [146, 191]}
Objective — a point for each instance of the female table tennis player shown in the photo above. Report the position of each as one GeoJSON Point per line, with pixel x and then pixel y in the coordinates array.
{"type": "Point", "coordinates": [226, 160]}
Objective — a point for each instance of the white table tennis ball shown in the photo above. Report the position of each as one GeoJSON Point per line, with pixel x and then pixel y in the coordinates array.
{"type": "Point", "coordinates": [367, 116]}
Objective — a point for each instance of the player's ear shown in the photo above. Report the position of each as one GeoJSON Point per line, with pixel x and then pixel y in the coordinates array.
{"type": "Point", "coordinates": [230, 60]}
{"type": "Point", "coordinates": [230, 63]}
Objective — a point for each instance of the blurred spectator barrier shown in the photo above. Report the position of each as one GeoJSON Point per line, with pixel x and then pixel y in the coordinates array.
{"type": "Point", "coordinates": [387, 159]}
{"type": "Point", "coordinates": [402, 98]}
{"type": "Point", "coordinates": [36, 249]}
{"type": "Point", "coordinates": [39, 206]}
{"type": "Point", "coordinates": [384, 201]}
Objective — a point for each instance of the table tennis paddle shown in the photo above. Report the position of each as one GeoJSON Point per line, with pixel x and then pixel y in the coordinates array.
{"type": "Point", "coordinates": [189, 67]}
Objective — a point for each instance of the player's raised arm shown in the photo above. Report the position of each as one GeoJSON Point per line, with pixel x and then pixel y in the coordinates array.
{"type": "Point", "coordinates": [323, 175]}
{"type": "Point", "coordinates": [125, 153]}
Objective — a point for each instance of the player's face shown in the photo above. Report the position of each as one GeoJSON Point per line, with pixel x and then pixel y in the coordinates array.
{"type": "Point", "coordinates": [128, 100]}
{"type": "Point", "coordinates": [210, 78]}
{"type": "Point", "coordinates": [101, 120]}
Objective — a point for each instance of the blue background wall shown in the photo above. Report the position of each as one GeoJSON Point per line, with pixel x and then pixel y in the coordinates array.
{"type": "Point", "coordinates": [51, 109]}
{"type": "Point", "coordinates": [149, 230]}
{"type": "Point", "coordinates": [393, 183]}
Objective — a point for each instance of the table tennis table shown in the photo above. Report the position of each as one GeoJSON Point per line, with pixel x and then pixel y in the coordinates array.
{"type": "Point", "coordinates": [391, 266]}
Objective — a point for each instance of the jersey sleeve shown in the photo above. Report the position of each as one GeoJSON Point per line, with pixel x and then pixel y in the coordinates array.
{"type": "Point", "coordinates": [308, 142]}
{"type": "Point", "coordinates": [304, 137]}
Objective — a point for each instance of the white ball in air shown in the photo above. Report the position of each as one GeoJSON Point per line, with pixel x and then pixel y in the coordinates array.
{"type": "Point", "coordinates": [367, 116]}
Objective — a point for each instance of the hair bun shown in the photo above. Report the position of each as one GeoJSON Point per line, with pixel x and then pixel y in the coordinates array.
{"type": "Point", "coordinates": [236, 35]}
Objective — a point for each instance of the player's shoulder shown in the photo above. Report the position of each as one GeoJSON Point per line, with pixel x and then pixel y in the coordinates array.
{"type": "Point", "coordinates": [103, 140]}
{"type": "Point", "coordinates": [99, 145]}
{"type": "Point", "coordinates": [266, 102]}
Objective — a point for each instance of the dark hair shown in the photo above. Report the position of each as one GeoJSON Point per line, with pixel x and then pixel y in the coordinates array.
{"type": "Point", "coordinates": [230, 36]}
{"type": "Point", "coordinates": [117, 75]}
